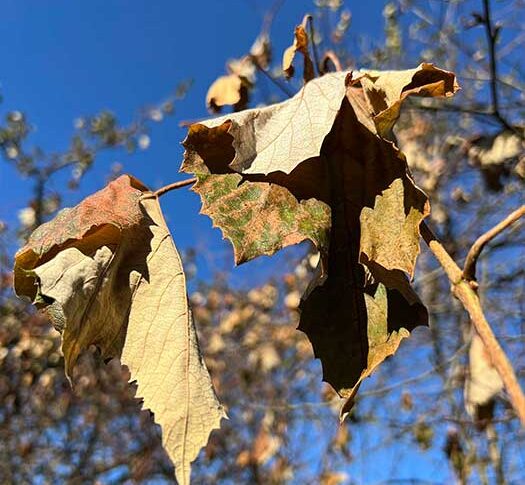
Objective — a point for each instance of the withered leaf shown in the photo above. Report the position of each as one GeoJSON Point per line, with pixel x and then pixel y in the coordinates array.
{"type": "Point", "coordinates": [327, 145]}
{"type": "Point", "coordinates": [385, 91]}
{"type": "Point", "coordinates": [300, 44]}
{"type": "Point", "coordinates": [483, 383]}
{"type": "Point", "coordinates": [109, 275]}
{"type": "Point", "coordinates": [230, 90]}
{"type": "Point", "coordinates": [257, 216]}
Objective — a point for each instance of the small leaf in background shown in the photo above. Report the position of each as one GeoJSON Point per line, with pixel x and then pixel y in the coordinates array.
{"type": "Point", "coordinates": [482, 384]}
{"type": "Point", "coordinates": [498, 156]}
{"type": "Point", "coordinates": [232, 89]}
{"type": "Point", "coordinates": [301, 45]}
{"type": "Point", "coordinates": [225, 91]}
{"type": "Point", "coordinates": [261, 51]}
{"type": "Point", "coordinates": [109, 275]}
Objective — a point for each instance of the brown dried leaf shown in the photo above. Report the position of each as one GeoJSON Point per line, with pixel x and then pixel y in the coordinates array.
{"type": "Point", "coordinates": [109, 275]}
{"type": "Point", "coordinates": [385, 91]}
{"type": "Point", "coordinates": [326, 146]}
{"type": "Point", "coordinates": [300, 44]}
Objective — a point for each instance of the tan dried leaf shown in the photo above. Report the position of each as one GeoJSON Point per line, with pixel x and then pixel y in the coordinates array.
{"type": "Point", "coordinates": [109, 275]}
{"type": "Point", "coordinates": [227, 90]}
{"type": "Point", "coordinates": [326, 146]}
{"type": "Point", "coordinates": [385, 91]}
{"type": "Point", "coordinates": [300, 44]}
{"type": "Point", "coordinates": [275, 138]}
{"type": "Point", "coordinates": [482, 384]}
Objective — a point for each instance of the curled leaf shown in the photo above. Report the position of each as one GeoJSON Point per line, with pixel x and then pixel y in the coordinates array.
{"type": "Point", "coordinates": [483, 383]}
{"type": "Point", "coordinates": [109, 275]}
{"type": "Point", "coordinates": [300, 44]}
{"type": "Point", "coordinates": [328, 148]}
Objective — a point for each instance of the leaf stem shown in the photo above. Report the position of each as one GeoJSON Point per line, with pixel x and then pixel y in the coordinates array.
{"type": "Point", "coordinates": [469, 270]}
{"type": "Point", "coordinates": [330, 55]}
{"type": "Point", "coordinates": [173, 186]}
{"type": "Point", "coordinates": [462, 289]}
{"type": "Point", "coordinates": [309, 20]}
{"type": "Point", "coordinates": [274, 80]}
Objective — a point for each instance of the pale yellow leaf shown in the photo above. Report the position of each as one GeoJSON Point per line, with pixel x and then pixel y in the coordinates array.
{"type": "Point", "coordinates": [129, 299]}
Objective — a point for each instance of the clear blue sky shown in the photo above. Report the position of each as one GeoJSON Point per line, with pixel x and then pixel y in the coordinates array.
{"type": "Point", "coordinates": [62, 59]}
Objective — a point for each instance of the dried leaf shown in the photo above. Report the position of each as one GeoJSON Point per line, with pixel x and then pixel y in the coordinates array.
{"type": "Point", "coordinates": [274, 138]}
{"type": "Point", "coordinates": [326, 146]}
{"type": "Point", "coordinates": [227, 90]}
{"type": "Point", "coordinates": [258, 217]}
{"type": "Point", "coordinates": [385, 91]}
{"type": "Point", "coordinates": [496, 155]}
{"type": "Point", "coordinates": [109, 275]}
{"type": "Point", "coordinates": [482, 384]}
{"type": "Point", "coordinates": [358, 316]}
{"type": "Point", "coordinates": [261, 51]}
{"type": "Point", "coordinates": [300, 44]}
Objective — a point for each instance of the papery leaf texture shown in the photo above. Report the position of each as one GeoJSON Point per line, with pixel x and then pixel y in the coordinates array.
{"type": "Point", "coordinates": [327, 151]}
{"type": "Point", "coordinates": [108, 274]}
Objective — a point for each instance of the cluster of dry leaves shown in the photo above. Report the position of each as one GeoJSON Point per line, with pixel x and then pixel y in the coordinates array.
{"type": "Point", "coordinates": [320, 166]}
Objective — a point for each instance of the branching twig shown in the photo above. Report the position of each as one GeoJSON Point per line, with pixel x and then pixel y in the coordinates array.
{"type": "Point", "coordinates": [462, 289]}
{"type": "Point", "coordinates": [275, 81]}
{"type": "Point", "coordinates": [331, 56]}
{"type": "Point", "coordinates": [469, 270]}
{"type": "Point", "coordinates": [492, 38]}
{"type": "Point", "coordinates": [173, 186]}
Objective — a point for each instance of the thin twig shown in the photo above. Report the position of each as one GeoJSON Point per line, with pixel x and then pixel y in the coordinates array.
{"type": "Point", "coordinates": [492, 38]}
{"type": "Point", "coordinates": [173, 186]}
{"type": "Point", "coordinates": [310, 21]}
{"type": "Point", "coordinates": [275, 81]}
{"type": "Point", "coordinates": [330, 55]}
{"type": "Point", "coordinates": [462, 289]}
{"type": "Point", "coordinates": [469, 270]}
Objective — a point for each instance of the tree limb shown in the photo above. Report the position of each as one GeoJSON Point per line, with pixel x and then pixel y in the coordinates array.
{"type": "Point", "coordinates": [173, 186]}
{"type": "Point", "coordinates": [465, 293]}
{"type": "Point", "coordinates": [469, 270]}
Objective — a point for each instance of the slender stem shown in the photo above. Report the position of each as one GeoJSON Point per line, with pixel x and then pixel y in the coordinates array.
{"type": "Point", "coordinates": [492, 38]}
{"type": "Point", "coordinates": [469, 270]}
{"type": "Point", "coordinates": [275, 81]}
{"type": "Point", "coordinates": [330, 55]}
{"type": "Point", "coordinates": [310, 21]}
{"type": "Point", "coordinates": [173, 186]}
{"type": "Point", "coordinates": [462, 289]}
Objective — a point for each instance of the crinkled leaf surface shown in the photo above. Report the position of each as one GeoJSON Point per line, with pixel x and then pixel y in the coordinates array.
{"type": "Point", "coordinates": [111, 276]}
{"type": "Point", "coordinates": [258, 214]}
{"type": "Point", "coordinates": [327, 145]}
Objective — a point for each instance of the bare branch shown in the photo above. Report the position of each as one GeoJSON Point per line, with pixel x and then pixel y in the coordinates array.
{"type": "Point", "coordinates": [463, 291]}
{"type": "Point", "coordinates": [492, 34]}
{"type": "Point", "coordinates": [469, 270]}
{"type": "Point", "coordinates": [173, 186]}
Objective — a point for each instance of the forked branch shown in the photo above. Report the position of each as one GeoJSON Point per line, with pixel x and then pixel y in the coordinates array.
{"type": "Point", "coordinates": [469, 270]}
{"type": "Point", "coordinates": [465, 293]}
